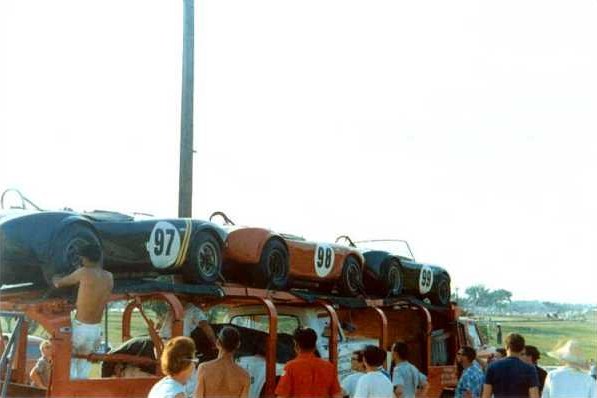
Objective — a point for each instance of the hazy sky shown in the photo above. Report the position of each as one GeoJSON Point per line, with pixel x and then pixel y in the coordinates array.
{"type": "Point", "coordinates": [466, 127]}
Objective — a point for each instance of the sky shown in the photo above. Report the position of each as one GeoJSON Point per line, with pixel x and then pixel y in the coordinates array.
{"type": "Point", "coordinates": [465, 127]}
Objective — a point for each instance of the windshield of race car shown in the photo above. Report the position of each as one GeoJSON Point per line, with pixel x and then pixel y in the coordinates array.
{"type": "Point", "coordinates": [397, 247]}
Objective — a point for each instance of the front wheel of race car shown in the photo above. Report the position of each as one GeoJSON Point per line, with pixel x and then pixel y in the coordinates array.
{"type": "Point", "coordinates": [273, 268]}
{"type": "Point", "coordinates": [204, 264]}
{"type": "Point", "coordinates": [440, 295]}
{"type": "Point", "coordinates": [351, 279]}
{"type": "Point", "coordinates": [391, 278]}
{"type": "Point", "coordinates": [64, 252]}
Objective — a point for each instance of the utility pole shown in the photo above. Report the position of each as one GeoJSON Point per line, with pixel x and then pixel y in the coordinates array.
{"type": "Point", "coordinates": [185, 182]}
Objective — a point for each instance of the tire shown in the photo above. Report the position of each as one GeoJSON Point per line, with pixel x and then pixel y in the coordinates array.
{"type": "Point", "coordinates": [64, 257]}
{"type": "Point", "coordinates": [440, 295]}
{"type": "Point", "coordinates": [204, 263]}
{"type": "Point", "coordinates": [273, 268]}
{"type": "Point", "coordinates": [351, 279]}
{"type": "Point", "coordinates": [391, 278]}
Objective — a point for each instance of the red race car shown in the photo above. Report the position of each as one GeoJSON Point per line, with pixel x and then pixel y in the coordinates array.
{"type": "Point", "coordinates": [266, 259]}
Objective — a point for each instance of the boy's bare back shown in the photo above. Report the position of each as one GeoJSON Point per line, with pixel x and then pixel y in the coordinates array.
{"type": "Point", "coordinates": [222, 378]}
{"type": "Point", "coordinates": [95, 287]}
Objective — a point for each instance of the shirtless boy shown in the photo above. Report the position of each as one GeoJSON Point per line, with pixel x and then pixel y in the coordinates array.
{"type": "Point", "coordinates": [222, 377]}
{"type": "Point", "coordinates": [95, 287]}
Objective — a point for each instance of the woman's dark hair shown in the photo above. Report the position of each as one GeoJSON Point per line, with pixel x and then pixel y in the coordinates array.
{"type": "Point", "coordinates": [533, 352]}
{"type": "Point", "coordinates": [177, 355]}
{"type": "Point", "coordinates": [401, 349]}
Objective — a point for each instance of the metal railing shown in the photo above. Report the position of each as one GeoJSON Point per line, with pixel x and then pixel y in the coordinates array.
{"type": "Point", "coordinates": [10, 350]}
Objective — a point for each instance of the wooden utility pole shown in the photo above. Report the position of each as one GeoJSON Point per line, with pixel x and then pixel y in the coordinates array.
{"type": "Point", "coordinates": [185, 182]}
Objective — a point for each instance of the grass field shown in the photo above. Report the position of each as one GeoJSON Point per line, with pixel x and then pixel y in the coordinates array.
{"type": "Point", "coordinates": [546, 333]}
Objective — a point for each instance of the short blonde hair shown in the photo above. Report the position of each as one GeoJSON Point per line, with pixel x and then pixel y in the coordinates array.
{"type": "Point", "coordinates": [177, 355]}
{"type": "Point", "coordinates": [44, 343]}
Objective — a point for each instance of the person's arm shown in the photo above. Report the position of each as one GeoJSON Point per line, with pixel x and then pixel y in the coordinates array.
{"type": "Point", "coordinates": [534, 392]}
{"type": "Point", "coordinates": [68, 280]}
{"type": "Point", "coordinates": [200, 388]}
{"type": "Point", "coordinates": [487, 391]}
{"type": "Point", "coordinates": [36, 379]}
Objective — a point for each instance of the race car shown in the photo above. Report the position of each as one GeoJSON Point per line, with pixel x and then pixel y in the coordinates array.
{"type": "Point", "coordinates": [391, 270]}
{"type": "Point", "coordinates": [266, 259]}
{"type": "Point", "coordinates": [35, 245]}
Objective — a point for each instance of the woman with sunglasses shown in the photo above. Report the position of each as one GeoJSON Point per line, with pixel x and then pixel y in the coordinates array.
{"type": "Point", "coordinates": [177, 364]}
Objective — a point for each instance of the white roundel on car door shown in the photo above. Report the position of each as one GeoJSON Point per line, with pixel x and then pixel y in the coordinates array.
{"type": "Point", "coordinates": [323, 260]}
{"type": "Point", "coordinates": [425, 279]}
{"type": "Point", "coordinates": [163, 245]}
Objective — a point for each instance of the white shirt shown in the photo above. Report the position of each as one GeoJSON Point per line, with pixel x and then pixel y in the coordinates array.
{"type": "Point", "coordinates": [374, 385]}
{"type": "Point", "coordinates": [349, 383]}
{"type": "Point", "coordinates": [191, 319]}
{"type": "Point", "coordinates": [255, 366]}
{"type": "Point", "coordinates": [568, 382]}
{"type": "Point", "coordinates": [166, 388]}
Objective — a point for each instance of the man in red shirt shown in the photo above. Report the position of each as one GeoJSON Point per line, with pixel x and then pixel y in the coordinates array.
{"type": "Point", "coordinates": [307, 375]}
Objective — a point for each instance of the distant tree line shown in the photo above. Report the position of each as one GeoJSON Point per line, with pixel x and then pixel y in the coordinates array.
{"type": "Point", "coordinates": [480, 296]}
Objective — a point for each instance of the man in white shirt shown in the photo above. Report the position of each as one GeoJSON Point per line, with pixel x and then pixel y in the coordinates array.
{"type": "Point", "coordinates": [569, 381]}
{"type": "Point", "coordinates": [349, 383]}
{"type": "Point", "coordinates": [374, 384]}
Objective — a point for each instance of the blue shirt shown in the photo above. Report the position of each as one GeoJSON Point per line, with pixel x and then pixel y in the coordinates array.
{"type": "Point", "coordinates": [472, 380]}
{"type": "Point", "coordinates": [510, 377]}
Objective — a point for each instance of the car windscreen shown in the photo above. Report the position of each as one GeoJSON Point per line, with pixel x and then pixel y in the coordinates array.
{"type": "Point", "coordinates": [396, 247]}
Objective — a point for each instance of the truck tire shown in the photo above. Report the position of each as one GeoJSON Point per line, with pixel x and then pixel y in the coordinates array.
{"type": "Point", "coordinates": [391, 278]}
{"type": "Point", "coordinates": [351, 279]}
{"type": "Point", "coordinates": [64, 252]}
{"type": "Point", "coordinates": [204, 263]}
{"type": "Point", "coordinates": [440, 295]}
{"type": "Point", "coordinates": [273, 268]}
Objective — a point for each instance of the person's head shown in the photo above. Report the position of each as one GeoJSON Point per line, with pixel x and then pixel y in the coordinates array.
{"type": "Point", "coordinates": [500, 353]}
{"type": "Point", "coordinates": [305, 339]}
{"type": "Point", "coordinates": [356, 361]}
{"type": "Point", "coordinates": [530, 354]}
{"type": "Point", "coordinates": [373, 357]}
{"type": "Point", "coordinates": [90, 254]}
{"type": "Point", "coordinates": [465, 356]}
{"type": "Point", "coordinates": [46, 349]}
{"type": "Point", "coordinates": [400, 351]}
{"type": "Point", "coordinates": [178, 358]}
{"type": "Point", "coordinates": [228, 340]}
{"type": "Point", "coordinates": [514, 343]}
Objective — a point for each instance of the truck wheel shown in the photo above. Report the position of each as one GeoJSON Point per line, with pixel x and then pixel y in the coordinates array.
{"type": "Point", "coordinates": [204, 264]}
{"type": "Point", "coordinates": [272, 270]}
{"type": "Point", "coordinates": [64, 257]}
{"type": "Point", "coordinates": [441, 294]}
{"type": "Point", "coordinates": [391, 277]}
{"type": "Point", "coordinates": [351, 279]}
